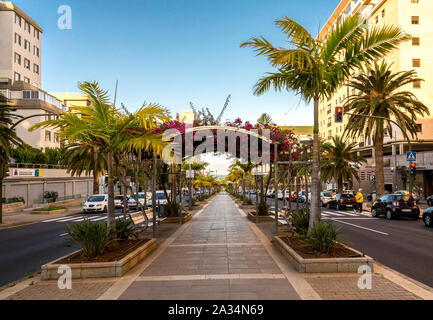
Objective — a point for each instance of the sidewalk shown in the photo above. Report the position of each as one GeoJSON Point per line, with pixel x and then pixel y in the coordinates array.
{"type": "Point", "coordinates": [220, 255]}
{"type": "Point", "coordinates": [26, 217]}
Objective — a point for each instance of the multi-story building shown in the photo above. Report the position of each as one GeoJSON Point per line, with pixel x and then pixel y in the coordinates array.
{"type": "Point", "coordinates": [73, 99]}
{"type": "Point", "coordinates": [36, 105]}
{"type": "Point", "coordinates": [20, 75]}
{"type": "Point", "coordinates": [415, 17]}
{"type": "Point", "coordinates": [20, 46]}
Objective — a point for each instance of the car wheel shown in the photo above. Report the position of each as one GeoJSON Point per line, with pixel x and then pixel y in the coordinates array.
{"type": "Point", "coordinates": [389, 215]}
{"type": "Point", "coordinates": [415, 216]}
{"type": "Point", "coordinates": [428, 221]}
{"type": "Point", "coordinates": [338, 207]}
{"type": "Point", "coordinates": [374, 213]}
{"type": "Point", "coordinates": [430, 203]}
{"type": "Point", "coordinates": [328, 205]}
{"type": "Point", "coordinates": [105, 210]}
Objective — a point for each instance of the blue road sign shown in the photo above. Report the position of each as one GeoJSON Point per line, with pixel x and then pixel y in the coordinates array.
{"type": "Point", "coordinates": [411, 156]}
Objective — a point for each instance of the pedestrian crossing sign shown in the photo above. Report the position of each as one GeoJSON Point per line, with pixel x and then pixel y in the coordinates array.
{"type": "Point", "coordinates": [411, 156]}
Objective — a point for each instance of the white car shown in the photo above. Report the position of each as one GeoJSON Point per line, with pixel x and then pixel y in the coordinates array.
{"type": "Point", "coordinates": [131, 201]}
{"type": "Point", "coordinates": [96, 203]}
{"type": "Point", "coordinates": [118, 201]}
{"type": "Point", "coordinates": [325, 197]}
{"type": "Point", "coordinates": [160, 197]}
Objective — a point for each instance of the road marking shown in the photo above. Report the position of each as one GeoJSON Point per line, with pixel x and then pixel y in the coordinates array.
{"type": "Point", "coordinates": [69, 219]}
{"type": "Point", "coordinates": [325, 215]}
{"type": "Point", "coordinates": [63, 234]}
{"type": "Point", "coordinates": [53, 220]}
{"type": "Point", "coordinates": [334, 213]}
{"type": "Point", "coordinates": [356, 226]}
{"type": "Point", "coordinates": [98, 218]}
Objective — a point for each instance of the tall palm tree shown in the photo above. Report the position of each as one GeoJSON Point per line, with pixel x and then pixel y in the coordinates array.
{"type": "Point", "coordinates": [103, 126]}
{"type": "Point", "coordinates": [8, 139]}
{"type": "Point", "coordinates": [79, 158]}
{"type": "Point", "coordinates": [339, 160]}
{"type": "Point", "coordinates": [245, 169]}
{"type": "Point", "coordinates": [381, 96]}
{"type": "Point", "coordinates": [316, 68]}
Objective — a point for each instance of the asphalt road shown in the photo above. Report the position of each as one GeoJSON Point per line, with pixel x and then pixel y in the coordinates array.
{"type": "Point", "coordinates": [404, 245]}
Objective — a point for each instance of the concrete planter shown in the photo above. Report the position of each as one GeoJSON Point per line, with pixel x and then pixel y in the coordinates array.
{"type": "Point", "coordinates": [327, 265]}
{"type": "Point", "coordinates": [247, 206]}
{"type": "Point", "coordinates": [185, 219]}
{"type": "Point", "coordinates": [13, 207]}
{"type": "Point", "coordinates": [50, 212]}
{"type": "Point", "coordinates": [67, 203]}
{"type": "Point", "coordinates": [100, 269]}
{"type": "Point", "coordinates": [253, 218]}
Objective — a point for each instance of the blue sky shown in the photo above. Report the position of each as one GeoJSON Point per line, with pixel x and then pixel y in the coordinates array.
{"type": "Point", "coordinates": [173, 51]}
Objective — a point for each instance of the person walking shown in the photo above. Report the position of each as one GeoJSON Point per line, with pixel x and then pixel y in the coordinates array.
{"type": "Point", "coordinates": [360, 200]}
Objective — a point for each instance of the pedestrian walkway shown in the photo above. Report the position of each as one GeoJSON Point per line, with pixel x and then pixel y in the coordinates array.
{"type": "Point", "coordinates": [221, 255]}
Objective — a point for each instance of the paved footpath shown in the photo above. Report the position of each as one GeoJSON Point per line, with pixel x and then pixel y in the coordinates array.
{"type": "Point", "coordinates": [220, 255]}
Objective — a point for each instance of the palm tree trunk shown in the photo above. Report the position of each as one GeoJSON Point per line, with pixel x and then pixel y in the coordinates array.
{"type": "Point", "coordinates": [340, 185]}
{"type": "Point", "coordinates": [111, 215]}
{"type": "Point", "coordinates": [1, 199]}
{"type": "Point", "coordinates": [96, 182]}
{"type": "Point", "coordinates": [378, 158]}
{"type": "Point", "coordinates": [315, 171]}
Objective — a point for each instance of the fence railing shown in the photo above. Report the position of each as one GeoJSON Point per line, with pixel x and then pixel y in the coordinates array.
{"type": "Point", "coordinates": [35, 166]}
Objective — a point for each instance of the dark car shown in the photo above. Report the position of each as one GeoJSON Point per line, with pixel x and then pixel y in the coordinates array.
{"type": "Point", "coordinates": [430, 201]}
{"type": "Point", "coordinates": [342, 202]}
{"type": "Point", "coordinates": [427, 217]}
{"type": "Point", "coordinates": [394, 206]}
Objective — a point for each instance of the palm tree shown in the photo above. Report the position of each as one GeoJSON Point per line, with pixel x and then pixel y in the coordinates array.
{"type": "Point", "coordinates": [79, 158]}
{"type": "Point", "coordinates": [8, 139]}
{"type": "Point", "coordinates": [381, 98]}
{"type": "Point", "coordinates": [245, 169]}
{"type": "Point", "coordinates": [339, 160]}
{"type": "Point", "coordinates": [102, 126]}
{"type": "Point", "coordinates": [316, 68]}
{"type": "Point", "coordinates": [265, 119]}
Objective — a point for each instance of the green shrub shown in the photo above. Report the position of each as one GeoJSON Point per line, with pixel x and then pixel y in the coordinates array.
{"type": "Point", "coordinates": [51, 196]}
{"type": "Point", "coordinates": [323, 236]}
{"type": "Point", "coordinates": [300, 221]}
{"type": "Point", "coordinates": [248, 201]}
{"type": "Point", "coordinates": [124, 230]}
{"type": "Point", "coordinates": [92, 237]}
{"type": "Point", "coordinates": [263, 209]}
{"type": "Point", "coordinates": [13, 200]}
{"type": "Point", "coordinates": [173, 208]}
{"type": "Point", "coordinates": [50, 208]}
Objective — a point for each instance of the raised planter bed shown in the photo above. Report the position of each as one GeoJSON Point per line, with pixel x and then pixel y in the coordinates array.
{"type": "Point", "coordinates": [13, 207]}
{"type": "Point", "coordinates": [50, 211]}
{"type": "Point", "coordinates": [247, 206]}
{"type": "Point", "coordinates": [110, 269]}
{"type": "Point", "coordinates": [323, 265]}
{"type": "Point", "coordinates": [68, 203]}
{"type": "Point", "coordinates": [185, 219]}
{"type": "Point", "coordinates": [253, 218]}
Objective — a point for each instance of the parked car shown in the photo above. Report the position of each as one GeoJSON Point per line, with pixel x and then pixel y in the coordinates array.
{"type": "Point", "coordinates": [96, 203]}
{"type": "Point", "coordinates": [370, 196]}
{"type": "Point", "coordinates": [141, 195]}
{"type": "Point", "coordinates": [430, 201]}
{"type": "Point", "coordinates": [351, 192]}
{"type": "Point", "coordinates": [394, 206]}
{"type": "Point", "coordinates": [414, 196]}
{"type": "Point", "coordinates": [270, 193]}
{"type": "Point", "coordinates": [325, 197]}
{"type": "Point", "coordinates": [160, 197]}
{"type": "Point", "coordinates": [427, 217]}
{"type": "Point", "coordinates": [300, 198]}
{"type": "Point", "coordinates": [119, 202]}
{"type": "Point", "coordinates": [342, 201]}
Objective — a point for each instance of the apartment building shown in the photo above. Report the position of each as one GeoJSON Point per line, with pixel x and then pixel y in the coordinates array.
{"type": "Point", "coordinates": [415, 17]}
{"type": "Point", "coordinates": [20, 46]}
{"type": "Point", "coordinates": [73, 99]}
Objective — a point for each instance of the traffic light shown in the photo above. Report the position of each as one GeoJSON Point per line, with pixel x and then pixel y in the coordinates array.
{"type": "Point", "coordinates": [339, 113]}
{"type": "Point", "coordinates": [413, 168]}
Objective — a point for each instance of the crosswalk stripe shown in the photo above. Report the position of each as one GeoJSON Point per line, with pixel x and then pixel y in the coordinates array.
{"type": "Point", "coordinates": [69, 219]}
{"type": "Point", "coordinates": [334, 214]}
{"type": "Point", "coordinates": [325, 215]}
{"type": "Point", "coordinates": [53, 220]}
{"type": "Point", "coordinates": [99, 218]}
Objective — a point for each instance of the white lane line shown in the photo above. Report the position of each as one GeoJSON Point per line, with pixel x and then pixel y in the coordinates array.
{"type": "Point", "coordinates": [53, 220]}
{"type": "Point", "coordinates": [364, 218]}
{"type": "Point", "coordinates": [325, 215]}
{"type": "Point", "coordinates": [356, 226]}
{"type": "Point", "coordinates": [351, 214]}
{"type": "Point", "coordinates": [63, 234]}
{"type": "Point", "coordinates": [69, 219]}
{"type": "Point", "coordinates": [98, 218]}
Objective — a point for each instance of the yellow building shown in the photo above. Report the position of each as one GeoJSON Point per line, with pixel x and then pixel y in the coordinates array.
{"type": "Point", "coordinates": [73, 99]}
{"type": "Point", "coordinates": [415, 17]}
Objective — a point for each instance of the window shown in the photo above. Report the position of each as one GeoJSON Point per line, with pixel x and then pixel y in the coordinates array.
{"type": "Point", "coordinates": [383, 13]}
{"type": "Point", "coordinates": [27, 26]}
{"type": "Point", "coordinates": [17, 59]}
{"type": "Point", "coordinates": [35, 94]}
{"type": "Point", "coordinates": [47, 136]}
{"type": "Point", "coordinates": [26, 80]}
{"type": "Point", "coordinates": [36, 68]}
{"type": "Point", "coordinates": [17, 39]}
{"type": "Point", "coordinates": [416, 63]}
{"type": "Point", "coordinates": [26, 63]}
{"type": "Point", "coordinates": [415, 41]}
{"type": "Point", "coordinates": [27, 45]}
{"type": "Point", "coordinates": [56, 137]}
{"type": "Point", "coordinates": [415, 19]}
{"type": "Point", "coordinates": [36, 51]}
{"type": "Point", "coordinates": [417, 85]}
{"type": "Point", "coordinates": [36, 33]}
{"type": "Point", "coordinates": [18, 20]}
{"type": "Point", "coordinates": [17, 76]}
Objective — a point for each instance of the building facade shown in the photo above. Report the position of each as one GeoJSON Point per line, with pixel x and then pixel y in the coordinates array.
{"type": "Point", "coordinates": [415, 17]}
{"type": "Point", "coordinates": [73, 99]}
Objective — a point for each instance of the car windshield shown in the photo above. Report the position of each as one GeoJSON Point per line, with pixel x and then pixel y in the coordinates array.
{"type": "Point", "coordinates": [346, 196]}
{"type": "Point", "coordinates": [118, 198]}
{"type": "Point", "coordinates": [96, 199]}
{"type": "Point", "coordinates": [326, 194]}
{"type": "Point", "coordinates": [403, 197]}
{"type": "Point", "coordinates": [141, 195]}
{"type": "Point", "coordinates": [160, 196]}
